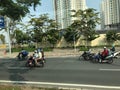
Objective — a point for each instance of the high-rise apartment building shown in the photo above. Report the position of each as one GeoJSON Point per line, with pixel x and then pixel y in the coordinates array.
{"type": "Point", "coordinates": [110, 14]}
{"type": "Point", "coordinates": [63, 11]}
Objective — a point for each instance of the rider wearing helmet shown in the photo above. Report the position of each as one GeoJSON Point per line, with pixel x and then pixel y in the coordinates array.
{"type": "Point", "coordinates": [23, 54]}
{"type": "Point", "coordinates": [104, 53]}
{"type": "Point", "coordinates": [37, 55]}
{"type": "Point", "coordinates": [112, 49]}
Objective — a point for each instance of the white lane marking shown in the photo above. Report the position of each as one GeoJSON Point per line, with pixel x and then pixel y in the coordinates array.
{"type": "Point", "coordinates": [109, 69]}
{"type": "Point", "coordinates": [60, 84]}
{"type": "Point", "coordinates": [17, 68]}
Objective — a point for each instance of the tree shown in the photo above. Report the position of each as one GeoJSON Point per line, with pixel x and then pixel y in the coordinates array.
{"type": "Point", "coordinates": [71, 35]}
{"type": "Point", "coordinates": [20, 36]}
{"type": "Point", "coordinates": [44, 29]}
{"type": "Point", "coordinates": [52, 36]}
{"type": "Point", "coordinates": [112, 36]}
{"type": "Point", "coordinates": [39, 27]}
{"type": "Point", "coordinates": [85, 23]}
{"type": "Point", "coordinates": [2, 37]}
{"type": "Point", "coordinates": [16, 9]}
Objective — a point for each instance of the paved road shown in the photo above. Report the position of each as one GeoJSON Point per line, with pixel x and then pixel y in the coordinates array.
{"type": "Point", "coordinates": [63, 70]}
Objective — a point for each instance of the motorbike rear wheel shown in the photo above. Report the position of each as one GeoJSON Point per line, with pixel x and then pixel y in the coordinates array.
{"type": "Point", "coordinates": [86, 57]}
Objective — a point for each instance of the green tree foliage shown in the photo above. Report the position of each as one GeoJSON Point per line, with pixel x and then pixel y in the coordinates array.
{"type": "Point", "coordinates": [44, 29]}
{"type": "Point", "coordinates": [112, 36]}
{"type": "Point", "coordinates": [71, 35]}
{"type": "Point", "coordinates": [39, 27]}
{"type": "Point", "coordinates": [20, 36]}
{"type": "Point", "coordinates": [2, 38]}
{"type": "Point", "coordinates": [85, 23]}
{"type": "Point", "coordinates": [52, 36]}
{"type": "Point", "coordinates": [39, 23]}
{"type": "Point", "coordinates": [16, 9]}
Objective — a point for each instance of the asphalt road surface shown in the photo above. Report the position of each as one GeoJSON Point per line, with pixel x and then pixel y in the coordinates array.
{"type": "Point", "coordinates": [68, 70]}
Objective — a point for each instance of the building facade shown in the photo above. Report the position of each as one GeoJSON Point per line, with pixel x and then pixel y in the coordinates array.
{"type": "Point", "coordinates": [110, 14]}
{"type": "Point", "coordinates": [63, 9]}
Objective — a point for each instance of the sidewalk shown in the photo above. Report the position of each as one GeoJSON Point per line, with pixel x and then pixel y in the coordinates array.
{"type": "Point", "coordinates": [54, 53]}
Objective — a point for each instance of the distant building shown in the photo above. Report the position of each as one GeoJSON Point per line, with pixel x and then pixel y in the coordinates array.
{"type": "Point", "coordinates": [63, 11]}
{"type": "Point", "coordinates": [110, 14]}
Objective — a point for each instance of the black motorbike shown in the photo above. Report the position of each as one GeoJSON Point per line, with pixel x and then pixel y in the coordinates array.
{"type": "Point", "coordinates": [86, 55]}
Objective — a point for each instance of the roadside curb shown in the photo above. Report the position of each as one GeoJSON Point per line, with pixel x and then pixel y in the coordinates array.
{"type": "Point", "coordinates": [61, 85]}
{"type": "Point", "coordinates": [47, 54]}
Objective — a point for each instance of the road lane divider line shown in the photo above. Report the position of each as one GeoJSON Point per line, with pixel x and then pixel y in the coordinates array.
{"type": "Point", "coordinates": [60, 84]}
{"type": "Point", "coordinates": [22, 68]}
{"type": "Point", "coordinates": [109, 69]}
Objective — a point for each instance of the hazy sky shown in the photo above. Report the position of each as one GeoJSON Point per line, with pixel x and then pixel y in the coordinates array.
{"type": "Point", "coordinates": [47, 7]}
{"type": "Point", "coordinates": [93, 4]}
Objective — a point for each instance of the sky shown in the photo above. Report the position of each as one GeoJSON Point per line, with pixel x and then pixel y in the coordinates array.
{"type": "Point", "coordinates": [94, 4]}
{"type": "Point", "coordinates": [47, 7]}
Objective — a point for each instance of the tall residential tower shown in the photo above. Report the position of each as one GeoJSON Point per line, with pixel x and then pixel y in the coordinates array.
{"type": "Point", "coordinates": [63, 11]}
{"type": "Point", "coordinates": [110, 14]}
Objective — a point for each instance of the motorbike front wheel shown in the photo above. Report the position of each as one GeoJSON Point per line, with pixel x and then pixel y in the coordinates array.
{"type": "Point", "coordinates": [80, 57]}
{"type": "Point", "coordinates": [110, 60]}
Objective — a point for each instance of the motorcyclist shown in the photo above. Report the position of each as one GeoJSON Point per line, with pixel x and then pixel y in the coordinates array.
{"type": "Point", "coordinates": [31, 59]}
{"type": "Point", "coordinates": [37, 56]}
{"type": "Point", "coordinates": [112, 49]}
{"type": "Point", "coordinates": [104, 53]}
{"type": "Point", "coordinates": [98, 56]}
{"type": "Point", "coordinates": [42, 52]}
{"type": "Point", "coordinates": [23, 53]}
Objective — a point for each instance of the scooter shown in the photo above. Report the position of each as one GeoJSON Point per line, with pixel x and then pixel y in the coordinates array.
{"type": "Point", "coordinates": [30, 62]}
{"type": "Point", "coordinates": [40, 63]}
{"type": "Point", "coordinates": [86, 55]}
{"type": "Point", "coordinates": [21, 57]}
{"type": "Point", "coordinates": [35, 63]}
{"type": "Point", "coordinates": [108, 59]}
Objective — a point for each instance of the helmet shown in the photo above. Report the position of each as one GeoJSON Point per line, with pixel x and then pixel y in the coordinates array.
{"type": "Point", "coordinates": [104, 47]}
{"type": "Point", "coordinates": [35, 51]}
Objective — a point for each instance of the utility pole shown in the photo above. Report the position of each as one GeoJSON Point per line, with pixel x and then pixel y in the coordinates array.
{"type": "Point", "coordinates": [7, 21]}
{"type": "Point", "coordinates": [74, 43]}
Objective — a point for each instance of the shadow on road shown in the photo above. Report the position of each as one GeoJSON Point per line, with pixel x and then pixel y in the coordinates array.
{"type": "Point", "coordinates": [15, 68]}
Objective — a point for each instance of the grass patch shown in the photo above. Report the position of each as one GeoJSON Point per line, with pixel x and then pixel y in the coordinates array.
{"type": "Point", "coordinates": [6, 87]}
{"type": "Point", "coordinates": [12, 87]}
{"type": "Point", "coordinates": [30, 49]}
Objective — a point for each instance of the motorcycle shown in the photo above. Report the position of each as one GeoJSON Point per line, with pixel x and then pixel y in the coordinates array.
{"type": "Point", "coordinates": [35, 63]}
{"type": "Point", "coordinates": [86, 55]}
{"type": "Point", "coordinates": [99, 59]}
{"type": "Point", "coordinates": [108, 59]}
{"type": "Point", "coordinates": [40, 63]}
{"type": "Point", "coordinates": [30, 63]}
{"type": "Point", "coordinates": [116, 54]}
{"type": "Point", "coordinates": [21, 57]}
